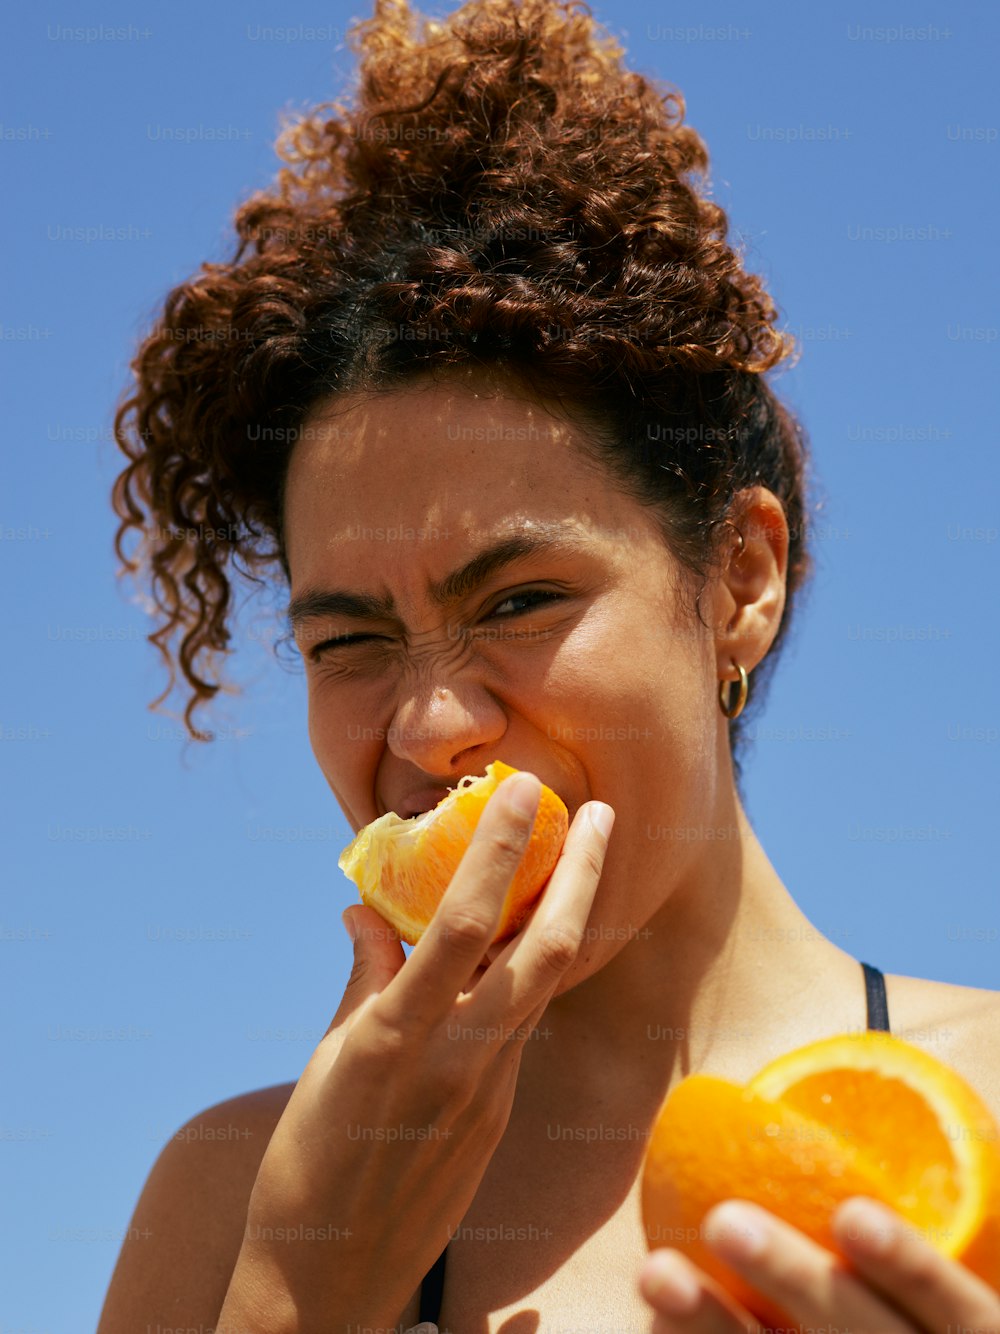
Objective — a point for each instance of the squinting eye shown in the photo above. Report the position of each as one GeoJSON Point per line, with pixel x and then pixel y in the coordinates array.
{"type": "Point", "coordinates": [542, 595]}
{"type": "Point", "coordinates": [340, 642]}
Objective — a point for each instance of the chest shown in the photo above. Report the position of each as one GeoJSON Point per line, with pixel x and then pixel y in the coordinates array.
{"type": "Point", "coordinates": [503, 1278]}
{"type": "Point", "coordinates": [554, 1238]}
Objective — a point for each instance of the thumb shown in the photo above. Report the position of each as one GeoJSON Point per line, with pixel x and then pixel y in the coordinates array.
{"type": "Point", "coordinates": [378, 957]}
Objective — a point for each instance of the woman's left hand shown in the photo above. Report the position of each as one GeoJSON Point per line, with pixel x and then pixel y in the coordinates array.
{"type": "Point", "coordinates": [899, 1283]}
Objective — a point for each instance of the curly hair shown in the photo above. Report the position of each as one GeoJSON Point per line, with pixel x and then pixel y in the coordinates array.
{"type": "Point", "coordinates": [497, 190]}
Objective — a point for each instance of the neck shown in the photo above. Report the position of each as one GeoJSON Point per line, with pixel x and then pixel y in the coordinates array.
{"type": "Point", "coordinates": [725, 976]}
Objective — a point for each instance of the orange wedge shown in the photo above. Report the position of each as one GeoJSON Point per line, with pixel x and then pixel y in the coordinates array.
{"type": "Point", "coordinates": [859, 1114]}
{"type": "Point", "coordinates": [403, 867]}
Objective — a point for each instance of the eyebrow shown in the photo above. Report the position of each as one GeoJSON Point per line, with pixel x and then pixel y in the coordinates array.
{"type": "Point", "coordinates": [314, 602]}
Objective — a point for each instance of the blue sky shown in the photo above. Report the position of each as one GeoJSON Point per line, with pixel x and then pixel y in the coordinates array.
{"type": "Point", "coordinates": [186, 899]}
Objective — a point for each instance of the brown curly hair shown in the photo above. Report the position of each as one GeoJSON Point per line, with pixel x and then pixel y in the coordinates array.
{"type": "Point", "coordinates": [498, 190]}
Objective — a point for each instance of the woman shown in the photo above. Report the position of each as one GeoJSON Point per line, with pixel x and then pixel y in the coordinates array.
{"type": "Point", "coordinates": [483, 388]}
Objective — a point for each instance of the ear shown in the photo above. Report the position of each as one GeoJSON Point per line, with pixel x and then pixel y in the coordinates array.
{"type": "Point", "coordinates": [749, 588]}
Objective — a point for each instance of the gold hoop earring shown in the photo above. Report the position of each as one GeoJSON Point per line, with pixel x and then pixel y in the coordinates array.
{"type": "Point", "coordinates": [733, 711]}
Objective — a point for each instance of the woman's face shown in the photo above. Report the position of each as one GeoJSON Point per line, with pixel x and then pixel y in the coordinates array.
{"type": "Point", "coordinates": [498, 598]}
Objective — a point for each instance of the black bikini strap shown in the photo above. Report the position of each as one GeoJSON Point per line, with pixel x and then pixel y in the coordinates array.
{"type": "Point", "coordinates": [878, 1002]}
{"type": "Point", "coordinates": [432, 1290]}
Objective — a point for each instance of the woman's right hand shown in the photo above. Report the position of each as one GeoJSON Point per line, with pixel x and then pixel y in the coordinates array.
{"type": "Point", "coordinates": [392, 1125]}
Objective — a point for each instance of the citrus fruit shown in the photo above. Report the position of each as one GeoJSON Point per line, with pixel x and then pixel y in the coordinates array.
{"type": "Point", "coordinates": [403, 867]}
{"type": "Point", "coordinates": [859, 1114]}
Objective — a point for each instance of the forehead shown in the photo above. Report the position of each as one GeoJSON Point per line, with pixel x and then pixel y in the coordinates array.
{"type": "Point", "coordinates": [453, 463]}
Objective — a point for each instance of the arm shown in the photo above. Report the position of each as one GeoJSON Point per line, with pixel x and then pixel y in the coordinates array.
{"type": "Point", "coordinates": [188, 1225]}
{"type": "Point", "coordinates": [319, 1246]}
{"type": "Point", "coordinates": [338, 1176]}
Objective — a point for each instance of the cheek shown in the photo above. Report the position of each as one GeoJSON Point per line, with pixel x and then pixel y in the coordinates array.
{"type": "Point", "coordinates": [343, 748]}
{"type": "Point", "coordinates": [641, 716]}
{"type": "Point", "coordinates": [631, 675]}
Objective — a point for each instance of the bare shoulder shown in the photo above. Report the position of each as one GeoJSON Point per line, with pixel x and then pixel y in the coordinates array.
{"type": "Point", "coordinates": [259, 1111]}
{"type": "Point", "coordinates": [190, 1218]}
{"type": "Point", "coordinates": [228, 1139]}
{"type": "Point", "coordinates": [960, 1025]}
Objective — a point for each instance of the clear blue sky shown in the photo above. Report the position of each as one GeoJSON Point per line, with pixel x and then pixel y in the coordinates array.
{"type": "Point", "coordinates": [147, 891]}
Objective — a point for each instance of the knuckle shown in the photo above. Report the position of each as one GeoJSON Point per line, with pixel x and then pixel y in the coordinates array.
{"type": "Point", "coordinates": [558, 947]}
{"type": "Point", "coordinates": [591, 860]}
{"type": "Point", "coordinates": [507, 843]}
{"type": "Point", "coordinates": [359, 971]}
{"type": "Point", "coordinates": [465, 927]}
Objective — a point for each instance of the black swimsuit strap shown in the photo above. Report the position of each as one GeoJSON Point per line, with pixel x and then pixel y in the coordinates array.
{"type": "Point", "coordinates": [432, 1289]}
{"type": "Point", "coordinates": [878, 1002]}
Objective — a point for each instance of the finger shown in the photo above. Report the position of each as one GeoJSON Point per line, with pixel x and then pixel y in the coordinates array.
{"type": "Point", "coordinates": [528, 1028]}
{"type": "Point", "coordinates": [378, 957]}
{"type": "Point", "coordinates": [454, 943]}
{"type": "Point", "coordinates": [897, 1261]}
{"type": "Point", "coordinates": [684, 1298]}
{"type": "Point", "coordinates": [528, 970]}
{"type": "Point", "coordinates": [506, 1037]}
{"type": "Point", "coordinates": [795, 1273]}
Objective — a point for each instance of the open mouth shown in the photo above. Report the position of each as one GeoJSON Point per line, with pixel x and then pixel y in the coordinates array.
{"type": "Point", "coordinates": [420, 803]}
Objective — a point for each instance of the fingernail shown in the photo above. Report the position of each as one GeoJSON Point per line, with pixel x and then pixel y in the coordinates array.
{"type": "Point", "coordinates": [602, 817]}
{"type": "Point", "coordinates": [349, 926]}
{"type": "Point", "coordinates": [671, 1284]}
{"type": "Point", "coordinates": [525, 794]}
{"type": "Point", "coordinates": [865, 1226]}
{"type": "Point", "coordinates": [737, 1232]}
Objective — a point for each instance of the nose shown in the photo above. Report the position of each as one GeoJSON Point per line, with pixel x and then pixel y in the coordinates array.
{"type": "Point", "coordinates": [442, 729]}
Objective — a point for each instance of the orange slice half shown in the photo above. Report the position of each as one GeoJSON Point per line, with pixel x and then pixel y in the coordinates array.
{"type": "Point", "coordinates": [858, 1114]}
{"type": "Point", "coordinates": [403, 867]}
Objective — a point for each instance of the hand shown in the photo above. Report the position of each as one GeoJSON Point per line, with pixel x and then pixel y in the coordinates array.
{"type": "Point", "coordinates": [402, 1104]}
{"type": "Point", "coordinates": [896, 1283]}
